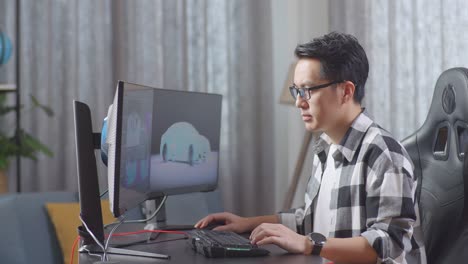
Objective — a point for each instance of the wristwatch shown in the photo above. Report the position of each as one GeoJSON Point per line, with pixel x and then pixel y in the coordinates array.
{"type": "Point", "coordinates": [318, 240]}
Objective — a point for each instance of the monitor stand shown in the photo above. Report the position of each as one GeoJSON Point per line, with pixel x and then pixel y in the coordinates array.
{"type": "Point", "coordinates": [88, 245]}
{"type": "Point", "coordinates": [119, 251]}
{"type": "Point", "coordinates": [159, 222]}
{"type": "Point", "coordinates": [88, 187]}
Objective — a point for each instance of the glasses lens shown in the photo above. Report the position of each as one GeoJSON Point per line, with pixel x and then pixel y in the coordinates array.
{"type": "Point", "coordinates": [293, 92]}
{"type": "Point", "coordinates": [303, 93]}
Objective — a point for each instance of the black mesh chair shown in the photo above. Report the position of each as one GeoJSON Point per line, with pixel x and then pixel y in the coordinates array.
{"type": "Point", "coordinates": [437, 151]}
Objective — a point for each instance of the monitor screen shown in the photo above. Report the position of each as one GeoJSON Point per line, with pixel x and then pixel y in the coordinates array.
{"type": "Point", "coordinates": [161, 142]}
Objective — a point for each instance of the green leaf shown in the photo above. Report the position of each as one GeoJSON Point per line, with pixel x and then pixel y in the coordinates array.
{"type": "Point", "coordinates": [34, 100]}
{"type": "Point", "coordinates": [35, 145]}
{"type": "Point", "coordinates": [4, 164]}
{"type": "Point", "coordinates": [8, 149]}
{"type": "Point", "coordinates": [6, 109]}
{"type": "Point", "coordinates": [45, 108]}
{"type": "Point", "coordinates": [29, 146]}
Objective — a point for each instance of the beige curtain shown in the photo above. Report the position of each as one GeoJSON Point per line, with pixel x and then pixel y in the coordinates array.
{"type": "Point", "coordinates": [79, 49]}
{"type": "Point", "coordinates": [409, 44]}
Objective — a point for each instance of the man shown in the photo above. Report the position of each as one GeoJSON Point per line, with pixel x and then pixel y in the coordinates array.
{"type": "Point", "coordinates": [360, 202]}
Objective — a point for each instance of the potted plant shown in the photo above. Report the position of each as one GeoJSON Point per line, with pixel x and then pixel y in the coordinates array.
{"type": "Point", "coordinates": [29, 146]}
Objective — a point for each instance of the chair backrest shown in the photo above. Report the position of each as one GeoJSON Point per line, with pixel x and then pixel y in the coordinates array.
{"type": "Point", "coordinates": [437, 151]}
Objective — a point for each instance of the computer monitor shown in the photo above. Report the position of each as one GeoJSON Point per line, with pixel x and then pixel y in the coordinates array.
{"type": "Point", "coordinates": [88, 187]}
{"type": "Point", "coordinates": [161, 142]}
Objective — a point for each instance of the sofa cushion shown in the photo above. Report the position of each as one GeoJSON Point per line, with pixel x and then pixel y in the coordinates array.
{"type": "Point", "coordinates": [27, 233]}
{"type": "Point", "coordinates": [65, 219]}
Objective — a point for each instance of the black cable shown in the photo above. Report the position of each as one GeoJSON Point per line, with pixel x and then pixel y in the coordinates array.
{"type": "Point", "coordinates": [145, 242]}
{"type": "Point", "coordinates": [104, 193]}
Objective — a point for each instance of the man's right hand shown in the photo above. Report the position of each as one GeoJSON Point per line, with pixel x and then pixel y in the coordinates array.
{"type": "Point", "coordinates": [234, 222]}
{"type": "Point", "coordinates": [231, 222]}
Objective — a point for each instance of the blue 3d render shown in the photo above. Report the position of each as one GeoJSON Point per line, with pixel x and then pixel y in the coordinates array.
{"type": "Point", "coordinates": [182, 143]}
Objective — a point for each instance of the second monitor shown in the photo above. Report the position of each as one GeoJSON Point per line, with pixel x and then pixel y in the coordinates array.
{"type": "Point", "coordinates": [161, 142]}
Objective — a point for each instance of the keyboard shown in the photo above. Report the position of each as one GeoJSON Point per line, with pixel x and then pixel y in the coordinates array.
{"type": "Point", "coordinates": [221, 244]}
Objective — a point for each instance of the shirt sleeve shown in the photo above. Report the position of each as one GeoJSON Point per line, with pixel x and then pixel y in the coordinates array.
{"type": "Point", "coordinates": [390, 206]}
{"type": "Point", "coordinates": [293, 218]}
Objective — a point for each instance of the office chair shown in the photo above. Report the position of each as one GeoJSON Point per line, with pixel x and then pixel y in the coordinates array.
{"type": "Point", "coordinates": [437, 151]}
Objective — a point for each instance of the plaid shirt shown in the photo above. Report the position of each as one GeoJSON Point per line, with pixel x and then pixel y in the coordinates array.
{"type": "Point", "coordinates": [374, 195]}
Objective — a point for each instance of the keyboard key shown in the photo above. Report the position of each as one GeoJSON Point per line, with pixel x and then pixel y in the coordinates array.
{"type": "Point", "coordinates": [216, 244]}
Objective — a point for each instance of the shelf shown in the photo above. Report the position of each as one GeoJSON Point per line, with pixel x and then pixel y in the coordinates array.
{"type": "Point", "coordinates": [4, 88]}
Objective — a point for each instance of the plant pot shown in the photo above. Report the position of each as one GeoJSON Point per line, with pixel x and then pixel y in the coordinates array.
{"type": "Point", "coordinates": [3, 181]}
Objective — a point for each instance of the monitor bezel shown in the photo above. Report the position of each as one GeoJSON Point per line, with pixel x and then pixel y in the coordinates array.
{"type": "Point", "coordinates": [118, 141]}
{"type": "Point", "coordinates": [88, 185]}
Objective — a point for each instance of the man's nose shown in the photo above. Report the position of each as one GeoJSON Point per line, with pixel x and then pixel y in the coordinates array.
{"type": "Point", "coordinates": [301, 103]}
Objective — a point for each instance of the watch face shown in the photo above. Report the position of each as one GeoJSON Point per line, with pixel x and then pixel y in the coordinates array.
{"type": "Point", "coordinates": [317, 237]}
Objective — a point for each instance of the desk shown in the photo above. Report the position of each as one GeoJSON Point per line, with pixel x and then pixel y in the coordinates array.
{"type": "Point", "coordinates": [181, 252]}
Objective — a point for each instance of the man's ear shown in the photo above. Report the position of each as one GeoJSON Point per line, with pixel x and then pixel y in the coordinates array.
{"type": "Point", "coordinates": [348, 91]}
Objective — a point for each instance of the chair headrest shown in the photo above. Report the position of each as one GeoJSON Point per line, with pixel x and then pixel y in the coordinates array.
{"type": "Point", "coordinates": [450, 96]}
{"type": "Point", "coordinates": [447, 120]}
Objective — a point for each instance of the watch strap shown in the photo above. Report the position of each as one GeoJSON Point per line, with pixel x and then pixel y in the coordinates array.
{"type": "Point", "coordinates": [316, 249]}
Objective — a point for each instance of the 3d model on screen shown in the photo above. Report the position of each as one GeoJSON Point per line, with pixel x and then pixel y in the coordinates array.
{"type": "Point", "coordinates": [137, 151]}
{"type": "Point", "coordinates": [182, 143]}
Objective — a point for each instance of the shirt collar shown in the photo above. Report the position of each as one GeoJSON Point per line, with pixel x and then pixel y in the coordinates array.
{"type": "Point", "coordinates": [351, 140]}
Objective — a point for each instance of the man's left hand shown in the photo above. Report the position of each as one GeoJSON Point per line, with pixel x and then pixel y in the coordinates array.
{"type": "Point", "coordinates": [281, 236]}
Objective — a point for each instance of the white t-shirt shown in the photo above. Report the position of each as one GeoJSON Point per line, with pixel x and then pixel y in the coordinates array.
{"type": "Point", "coordinates": [323, 218]}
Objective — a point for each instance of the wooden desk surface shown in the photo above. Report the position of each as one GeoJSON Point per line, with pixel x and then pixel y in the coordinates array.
{"type": "Point", "coordinates": [181, 252]}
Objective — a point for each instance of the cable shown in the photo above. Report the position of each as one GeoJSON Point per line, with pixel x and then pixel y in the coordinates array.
{"type": "Point", "coordinates": [73, 249]}
{"type": "Point", "coordinates": [150, 231]}
{"type": "Point", "coordinates": [104, 193]}
{"type": "Point", "coordinates": [92, 235]}
{"type": "Point", "coordinates": [110, 235]}
{"type": "Point", "coordinates": [104, 247]}
{"type": "Point", "coordinates": [143, 220]}
{"type": "Point", "coordinates": [145, 242]}
{"type": "Point", "coordinates": [92, 254]}
{"type": "Point", "coordinates": [127, 234]}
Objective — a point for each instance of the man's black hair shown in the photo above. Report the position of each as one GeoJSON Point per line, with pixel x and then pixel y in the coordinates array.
{"type": "Point", "coordinates": [342, 58]}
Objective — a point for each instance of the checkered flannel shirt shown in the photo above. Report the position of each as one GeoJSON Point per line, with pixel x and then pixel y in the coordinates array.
{"type": "Point", "coordinates": [374, 196]}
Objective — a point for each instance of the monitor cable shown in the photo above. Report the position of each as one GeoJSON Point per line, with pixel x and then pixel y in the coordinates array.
{"type": "Point", "coordinates": [106, 246]}
{"type": "Point", "coordinates": [104, 193]}
{"type": "Point", "coordinates": [77, 239]}
{"type": "Point", "coordinates": [145, 241]}
{"type": "Point", "coordinates": [94, 237]}
{"type": "Point", "coordinates": [163, 201]}
{"type": "Point", "coordinates": [116, 224]}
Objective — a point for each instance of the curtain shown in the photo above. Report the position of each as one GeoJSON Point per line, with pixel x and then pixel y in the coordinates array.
{"type": "Point", "coordinates": [408, 44]}
{"type": "Point", "coordinates": [79, 49]}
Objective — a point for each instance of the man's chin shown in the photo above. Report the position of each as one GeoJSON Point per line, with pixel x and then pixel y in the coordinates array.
{"type": "Point", "coordinates": [311, 127]}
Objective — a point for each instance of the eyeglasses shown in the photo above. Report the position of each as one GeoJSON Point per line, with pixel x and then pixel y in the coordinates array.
{"type": "Point", "coordinates": [304, 93]}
